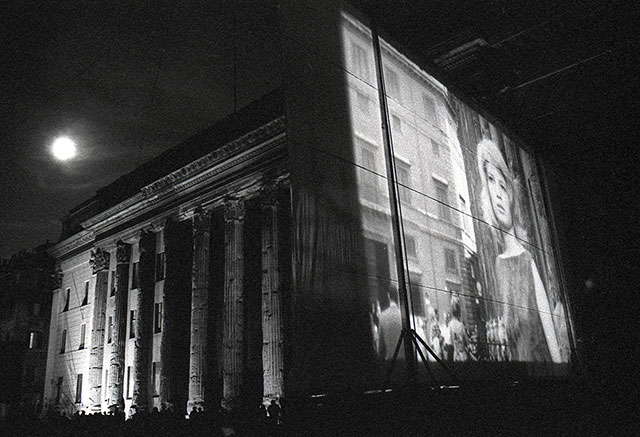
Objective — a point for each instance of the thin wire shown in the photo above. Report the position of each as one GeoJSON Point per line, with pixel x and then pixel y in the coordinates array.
{"type": "Point", "coordinates": [399, 103]}
{"type": "Point", "coordinates": [441, 290]}
{"type": "Point", "coordinates": [553, 73]}
{"type": "Point", "coordinates": [420, 193]}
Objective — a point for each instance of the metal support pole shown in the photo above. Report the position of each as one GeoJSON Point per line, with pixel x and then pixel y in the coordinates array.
{"type": "Point", "coordinates": [396, 213]}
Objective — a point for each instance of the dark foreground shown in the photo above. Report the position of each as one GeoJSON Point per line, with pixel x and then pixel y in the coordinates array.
{"type": "Point", "coordinates": [560, 408]}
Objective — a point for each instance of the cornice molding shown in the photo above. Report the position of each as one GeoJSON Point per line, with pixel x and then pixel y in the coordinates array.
{"type": "Point", "coordinates": [76, 240]}
{"type": "Point", "coordinates": [229, 149]}
{"type": "Point", "coordinates": [245, 148]}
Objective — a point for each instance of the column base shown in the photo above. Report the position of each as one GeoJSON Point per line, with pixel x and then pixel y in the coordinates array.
{"type": "Point", "coordinates": [198, 405]}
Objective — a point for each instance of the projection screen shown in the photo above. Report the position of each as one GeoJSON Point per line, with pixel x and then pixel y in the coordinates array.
{"type": "Point", "coordinates": [484, 284]}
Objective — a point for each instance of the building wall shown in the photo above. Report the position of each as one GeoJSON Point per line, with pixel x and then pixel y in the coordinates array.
{"type": "Point", "coordinates": [74, 360]}
{"type": "Point", "coordinates": [243, 167]}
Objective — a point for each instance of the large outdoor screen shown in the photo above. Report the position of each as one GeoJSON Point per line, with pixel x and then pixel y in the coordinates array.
{"type": "Point", "coordinates": [484, 285]}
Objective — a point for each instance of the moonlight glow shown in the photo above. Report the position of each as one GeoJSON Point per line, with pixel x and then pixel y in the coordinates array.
{"type": "Point", "coordinates": [63, 148]}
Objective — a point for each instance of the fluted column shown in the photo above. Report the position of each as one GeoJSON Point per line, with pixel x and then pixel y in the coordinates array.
{"type": "Point", "coordinates": [176, 297]}
{"type": "Point", "coordinates": [233, 340]}
{"type": "Point", "coordinates": [272, 355]}
{"type": "Point", "coordinates": [119, 338]}
{"type": "Point", "coordinates": [199, 310]}
{"type": "Point", "coordinates": [142, 344]}
{"type": "Point", "coordinates": [100, 265]}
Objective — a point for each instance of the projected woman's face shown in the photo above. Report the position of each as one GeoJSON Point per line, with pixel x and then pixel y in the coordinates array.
{"type": "Point", "coordinates": [500, 194]}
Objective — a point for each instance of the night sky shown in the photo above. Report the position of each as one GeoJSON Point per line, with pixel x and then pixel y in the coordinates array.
{"type": "Point", "coordinates": [127, 80]}
{"type": "Point", "coordinates": [123, 79]}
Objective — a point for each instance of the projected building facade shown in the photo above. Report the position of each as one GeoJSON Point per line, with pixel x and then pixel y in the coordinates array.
{"type": "Point", "coordinates": [256, 260]}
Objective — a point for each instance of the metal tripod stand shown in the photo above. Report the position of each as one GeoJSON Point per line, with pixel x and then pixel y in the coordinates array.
{"type": "Point", "coordinates": [411, 335]}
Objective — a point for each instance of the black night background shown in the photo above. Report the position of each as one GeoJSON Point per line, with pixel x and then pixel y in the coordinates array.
{"type": "Point", "coordinates": [127, 80]}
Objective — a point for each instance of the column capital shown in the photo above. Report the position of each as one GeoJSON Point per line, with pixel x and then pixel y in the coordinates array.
{"type": "Point", "coordinates": [56, 279]}
{"type": "Point", "coordinates": [146, 237]}
{"type": "Point", "coordinates": [123, 252]}
{"type": "Point", "coordinates": [234, 209]}
{"type": "Point", "coordinates": [270, 194]}
{"type": "Point", "coordinates": [99, 260]}
{"type": "Point", "coordinates": [201, 219]}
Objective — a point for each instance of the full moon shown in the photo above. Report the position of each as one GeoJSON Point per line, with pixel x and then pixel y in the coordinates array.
{"type": "Point", "coordinates": [63, 148]}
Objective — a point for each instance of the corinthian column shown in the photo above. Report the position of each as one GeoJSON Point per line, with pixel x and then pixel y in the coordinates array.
{"type": "Point", "coordinates": [142, 344]}
{"type": "Point", "coordinates": [199, 310]}
{"type": "Point", "coordinates": [176, 297]}
{"type": "Point", "coordinates": [233, 341]}
{"type": "Point", "coordinates": [100, 265]}
{"type": "Point", "coordinates": [116, 361]}
{"type": "Point", "coordinates": [272, 360]}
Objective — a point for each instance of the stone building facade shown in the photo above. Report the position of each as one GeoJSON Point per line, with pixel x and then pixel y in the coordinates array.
{"type": "Point", "coordinates": [166, 298]}
{"type": "Point", "coordinates": [26, 281]}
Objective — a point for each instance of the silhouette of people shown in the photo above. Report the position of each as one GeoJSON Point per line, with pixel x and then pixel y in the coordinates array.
{"type": "Point", "coordinates": [275, 413]}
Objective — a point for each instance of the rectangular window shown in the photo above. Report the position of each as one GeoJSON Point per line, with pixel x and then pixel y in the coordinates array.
{"type": "Point", "coordinates": [106, 382]}
{"type": "Point", "coordinates": [369, 178]}
{"type": "Point", "coordinates": [465, 217]}
{"type": "Point", "coordinates": [417, 300]}
{"type": "Point", "coordinates": [404, 175]}
{"type": "Point", "coordinates": [364, 104]}
{"type": "Point", "coordinates": [85, 299]}
{"type": "Point", "coordinates": [396, 124]}
{"type": "Point", "coordinates": [132, 324]}
{"type": "Point", "coordinates": [410, 244]}
{"type": "Point", "coordinates": [79, 388]}
{"type": "Point", "coordinates": [58, 389]}
{"type": "Point", "coordinates": [430, 112]}
{"type": "Point", "coordinates": [369, 162]}
{"type": "Point", "coordinates": [63, 341]}
{"type": "Point", "coordinates": [359, 62]}
{"type": "Point", "coordinates": [392, 83]}
{"type": "Point", "coordinates": [67, 297]}
{"type": "Point", "coordinates": [155, 378]}
{"type": "Point", "coordinates": [453, 288]}
{"type": "Point", "coordinates": [83, 335]}
{"type": "Point", "coordinates": [34, 340]}
{"type": "Point", "coordinates": [113, 283]}
{"type": "Point", "coordinates": [109, 329]}
{"type": "Point", "coordinates": [36, 309]}
{"type": "Point", "coordinates": [442, 195]}
{"type": "Point", "coordinates": [435, 148]}
{"type": "Point", "coordinates": [160, 266]}
{"type": "Point", "coordinates": [157, 319]}
{"type": "Point", "coordinates": [129, 383]}
{"type": "Point", "coordinates": [134, 276]}
{"type": "Point", "coordinates": [450, 260]}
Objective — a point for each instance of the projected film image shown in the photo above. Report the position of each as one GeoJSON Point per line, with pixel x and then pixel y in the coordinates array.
{"type": "Point", "coordinates": [483, 283]}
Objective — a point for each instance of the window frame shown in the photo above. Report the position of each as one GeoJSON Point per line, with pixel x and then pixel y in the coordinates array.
{"type": "Point", "coordinates": [63, 341]}
{"type": "Point", "coordinates": [442, 197]}
{"type": "Point", "coordinates": [79, 388]}
{"type": "Point", "coordinates": [161, 263]}
{"type": "Point", "coordinates": [132, 323]}
{"type": "Point", "coordinates": [85, 299]}
{"type": "Point", "coordinates": [83, 336]}
{"type": "Point", "coordinates": [67, 299]}
{"type": "Point", "coordinates": [451, 255]}
{"type": "Point", "coordinates": [109, 329]}
{"type": "Point", "coordinates": [157, 317]}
